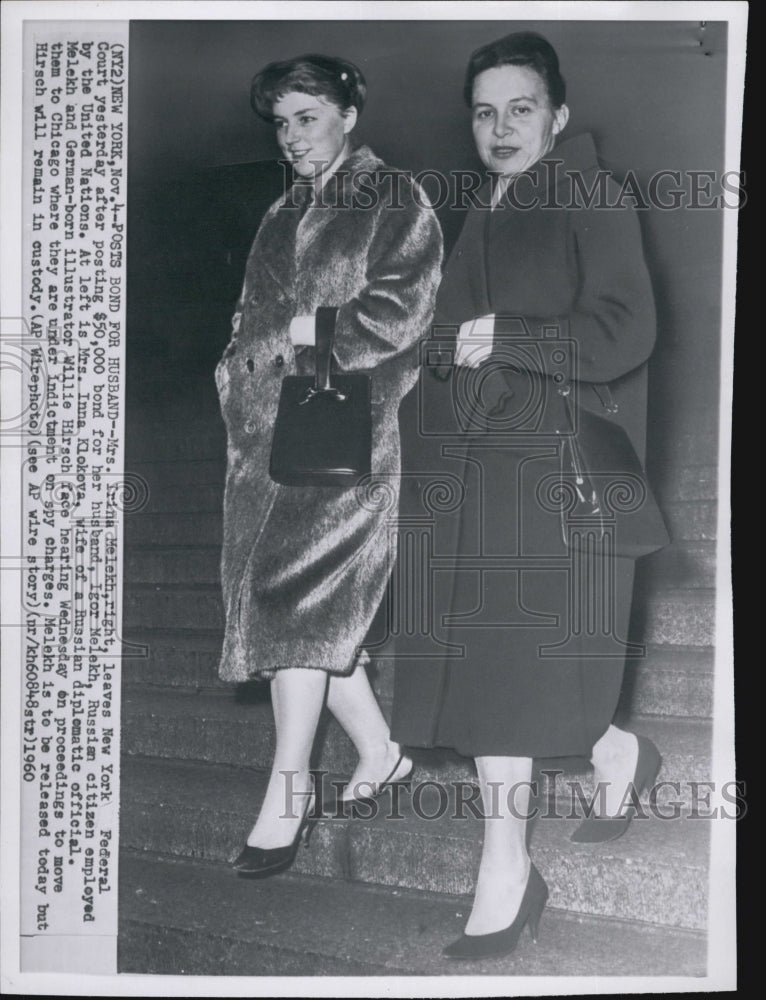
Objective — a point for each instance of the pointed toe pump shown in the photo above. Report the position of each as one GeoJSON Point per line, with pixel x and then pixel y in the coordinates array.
{"type": "Point", "coordinates": [262, 862]}
{"type": "Point", "coordinates": [476, 946]}
{"type": "Point", "coordinates": [601, 829]}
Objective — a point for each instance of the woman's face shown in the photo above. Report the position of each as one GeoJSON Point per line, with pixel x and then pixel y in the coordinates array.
{"type": "Point", "coordinates": [311, 131]}
{"type": "Point", "coordinates": [513, 121]}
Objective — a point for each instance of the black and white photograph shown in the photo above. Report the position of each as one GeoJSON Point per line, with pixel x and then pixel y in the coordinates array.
{"type": "Point", "coordinates": [366, 434]}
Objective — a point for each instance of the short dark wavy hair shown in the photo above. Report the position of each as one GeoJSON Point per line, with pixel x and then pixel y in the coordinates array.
{"type": "Point", "coordinates": [338, 81]}
{"type": "Point", "coordinates": [522, 48]}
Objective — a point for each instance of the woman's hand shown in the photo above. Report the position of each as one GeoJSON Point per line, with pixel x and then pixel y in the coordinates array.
{"type": "Point", "coordinates": [303, 331]}
{"type": "Point", "coordinates": [474, 341]}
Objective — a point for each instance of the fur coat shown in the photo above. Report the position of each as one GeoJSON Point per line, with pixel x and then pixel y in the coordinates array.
{"type": "Point", "coordinates": [304, 568]}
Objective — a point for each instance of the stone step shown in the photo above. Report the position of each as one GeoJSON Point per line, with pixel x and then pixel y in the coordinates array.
{"type": "Point", "coordinates": [173, 564]}
{"type": "Point", "coordinates": [693, 441]}
{"type": "Point", "coordinates": [684, 617]}
{"type": "Point", "coordinates": [166, 473]}
{"type": "Point", "coordinates": [186, 498]}
{"type": "Point", "coordinates": [656, 873]}
{"type": "Point", "coordinates": [180, 605]}
{"type": "Point", "coordinates": [691, 482]}
{"type": "Point", "coordinates": [680, 565]}
{"type": "Point", "coordinates": [691, 520]}
{"type": "Point", "coordinates": [191, 528]}
{"type": "Point", "coordinates": [171, 400]}
{"type": "Point", "coordinates": [292, 925]}
{"type": "Point", "coordinates": [173, 658]}
{"type": "Point", "coordinates": [676, 617]}
{"type": "Point", "coordinates": [668, 681]}
{"type": "Point", "coordinates": [188, 437]}
{"type": "Point", "coordinates": [220, 728]}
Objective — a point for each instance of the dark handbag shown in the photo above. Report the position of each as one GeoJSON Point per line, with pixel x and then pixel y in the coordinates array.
{"type": "Point", "coordinates": [604, 488]}
{"type": "Point", "coordinates": [323, 431]}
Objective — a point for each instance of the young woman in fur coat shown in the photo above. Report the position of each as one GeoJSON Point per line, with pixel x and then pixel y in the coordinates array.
{"type": "Point", "coordinates": [304, 568]}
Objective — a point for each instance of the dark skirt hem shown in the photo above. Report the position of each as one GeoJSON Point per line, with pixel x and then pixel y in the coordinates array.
{"type": "Point", "coordinates": [538, 752]}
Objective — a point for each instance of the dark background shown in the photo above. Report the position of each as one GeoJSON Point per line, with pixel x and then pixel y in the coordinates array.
{"type": "Point", "coordinates": [203, 169]}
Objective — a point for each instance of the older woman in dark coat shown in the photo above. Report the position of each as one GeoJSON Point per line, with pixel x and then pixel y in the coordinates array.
{"type": "Point", "coordinates": [546, 292]}
{"type": "Point", "coordinates": [304, 568]}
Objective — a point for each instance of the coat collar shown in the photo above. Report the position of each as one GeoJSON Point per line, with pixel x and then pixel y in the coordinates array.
{"type": "Point", "coordinates": [575, 155]}
{"type": "Point", "coordinates": [467, 269]}
{"type": "Point", "coordinates": [288, 231]}
{"type": "Point", "coordinates": [360, 160]}
{"type": "Point", "coordinates": [335, 196]}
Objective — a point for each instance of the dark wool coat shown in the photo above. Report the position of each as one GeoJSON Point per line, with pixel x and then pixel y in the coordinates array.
{"type": "Point", "coordinates": [484, 688]}
{"type": "Point", "coordinates": [304, 569]}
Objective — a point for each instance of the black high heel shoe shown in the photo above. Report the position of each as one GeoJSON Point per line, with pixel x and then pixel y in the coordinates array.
{"type": "Point", "coordinates": [475, 946]}
{"type": "Point", "coordinates": [601, 829]}
{"type": "Point", "coordinates": [262, 862]}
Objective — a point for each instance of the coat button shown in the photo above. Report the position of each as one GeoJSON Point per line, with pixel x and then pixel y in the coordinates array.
{"type": "Point", "coordinates": [250, 365]}
{"type": "Point", "coordinates": [249, 427]}
{"type": "Point", "coordinates": [279, 361]}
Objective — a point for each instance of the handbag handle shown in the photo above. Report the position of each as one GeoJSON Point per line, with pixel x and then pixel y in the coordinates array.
{"type": "Point", "coordinates": [325, 335]}
{"type": "Point", "coordinates": [324, 326]}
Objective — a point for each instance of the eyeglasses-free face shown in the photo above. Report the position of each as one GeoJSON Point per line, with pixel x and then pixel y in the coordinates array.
{"type": "Point", "coordinates": [311, 131]}
{"type": "Point", "coordinates": [514, 124]}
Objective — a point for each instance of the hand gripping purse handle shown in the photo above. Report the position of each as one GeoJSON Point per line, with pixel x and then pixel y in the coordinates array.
{"type": "Point", "coordinates": [325, 336]}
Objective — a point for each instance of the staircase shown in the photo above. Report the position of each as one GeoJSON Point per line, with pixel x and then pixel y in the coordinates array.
{"type": "Point", "coordinates": [378, 897]}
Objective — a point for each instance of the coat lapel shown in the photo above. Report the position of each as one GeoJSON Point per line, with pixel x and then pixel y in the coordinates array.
{"type": "Point", "coordinates": [276, 243]}
{"type": "Point", "coordinates": [336, 196]}
{"type": "Point", "coordinates": [575, 155]}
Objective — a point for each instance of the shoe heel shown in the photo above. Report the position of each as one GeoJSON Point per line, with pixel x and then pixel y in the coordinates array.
{"type": "Point", "coordinates": [651, 767]}
{"type": "Point", "coordinates": [536, 910]}
{"type": "Point", "coordinates": [307, 832]}
{"type": "Point", "coordinates": [651, 778]}
{"type": "Point", "coordinates": [534, 922]}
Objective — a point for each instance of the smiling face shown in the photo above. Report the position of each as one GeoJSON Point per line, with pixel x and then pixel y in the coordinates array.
{"type": "Point", "coordinates": [311, 132]}
{"type": "Point", "coordinates": [514, 124]}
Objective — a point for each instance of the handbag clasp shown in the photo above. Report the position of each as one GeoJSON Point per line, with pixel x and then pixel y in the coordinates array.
{"type": "Point", "coordinates": [312, 391]}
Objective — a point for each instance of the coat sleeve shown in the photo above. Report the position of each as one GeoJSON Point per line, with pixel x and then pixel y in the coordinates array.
{"type": "Point", "coordinates": [613, 317]}
{"type": "Point", "coordinates": [394, 309]}
{"type": "Point", "coordinates": [236, 318]}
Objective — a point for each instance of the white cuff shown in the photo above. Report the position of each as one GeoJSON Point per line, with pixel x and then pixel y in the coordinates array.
{"type": "Point", "coordinates": [474, 341]}
{"type": "Point", "coordinates": [303, 331]}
